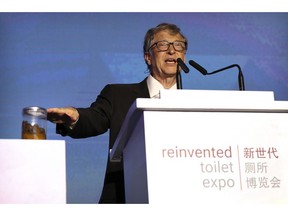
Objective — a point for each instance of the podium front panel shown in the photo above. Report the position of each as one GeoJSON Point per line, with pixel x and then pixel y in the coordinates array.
{"type": "Point", "coordinates": [216, 157]}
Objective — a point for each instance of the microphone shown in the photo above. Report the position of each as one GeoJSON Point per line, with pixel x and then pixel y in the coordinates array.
{"type": "Point", "coordinates": [198, 67]}
{"type": "Point", "coordinates": [204, 72]}
{"type": "Point", "coordinates": [182, 65]}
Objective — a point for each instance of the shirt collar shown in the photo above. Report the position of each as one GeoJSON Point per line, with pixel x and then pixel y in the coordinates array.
{"type": "Point", "coordinates": [154, 87]}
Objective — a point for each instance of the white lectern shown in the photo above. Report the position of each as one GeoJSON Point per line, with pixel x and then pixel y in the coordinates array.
{"type": "Point", "coordinates": [205, 146]}
{"type": "Point", "coordinates": [32, 171]}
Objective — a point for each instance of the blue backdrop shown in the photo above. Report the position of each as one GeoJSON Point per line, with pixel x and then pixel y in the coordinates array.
{"type": "Point", "coordinates": [65, 59]}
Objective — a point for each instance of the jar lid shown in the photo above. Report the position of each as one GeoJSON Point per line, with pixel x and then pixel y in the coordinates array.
{"type": "Point", "coordinates": [35, 111]}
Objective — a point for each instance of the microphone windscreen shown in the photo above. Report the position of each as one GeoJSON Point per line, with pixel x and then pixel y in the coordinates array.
{"type": "Point", "coordinates": [182, 65]}
{"type": "Point", "coordinates": [198, 67]}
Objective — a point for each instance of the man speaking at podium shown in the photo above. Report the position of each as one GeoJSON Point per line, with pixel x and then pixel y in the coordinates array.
{"type": "Point", "coordinates": [163, 45]}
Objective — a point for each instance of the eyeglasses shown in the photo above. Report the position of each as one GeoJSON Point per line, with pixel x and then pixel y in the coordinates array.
{"type": "Point", "coordinates": [165, 45]}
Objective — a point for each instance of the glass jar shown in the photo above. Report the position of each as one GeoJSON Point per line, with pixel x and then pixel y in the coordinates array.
{"type": "Point", "coordinates": [34, 123]}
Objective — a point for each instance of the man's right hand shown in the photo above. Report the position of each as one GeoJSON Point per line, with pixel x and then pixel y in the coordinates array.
{"type": "Point", "coordinates": [66, 115]}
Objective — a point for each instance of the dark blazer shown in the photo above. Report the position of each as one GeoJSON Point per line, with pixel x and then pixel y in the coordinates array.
{"type": "Point", "coordinates": [108, 113]}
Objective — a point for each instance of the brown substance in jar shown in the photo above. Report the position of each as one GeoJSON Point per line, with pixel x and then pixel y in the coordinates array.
{"type": "Point", "coordinates": [32, 131]}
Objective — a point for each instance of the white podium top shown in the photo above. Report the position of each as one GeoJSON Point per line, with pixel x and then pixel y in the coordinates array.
{"type": "Point", "coordinates": [212, 100]}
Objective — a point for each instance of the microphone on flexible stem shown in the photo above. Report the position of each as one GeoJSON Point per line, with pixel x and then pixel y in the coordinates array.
{"type": "Point", "coordinates": [198, 67]}
{"type": "Point", "coordinates": [204, 72]}
{"type": "Point", "coordinates": [184, 67]}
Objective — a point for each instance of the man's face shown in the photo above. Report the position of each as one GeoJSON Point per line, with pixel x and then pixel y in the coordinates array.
{"type": "Point", "coordinates": [163, 63]}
